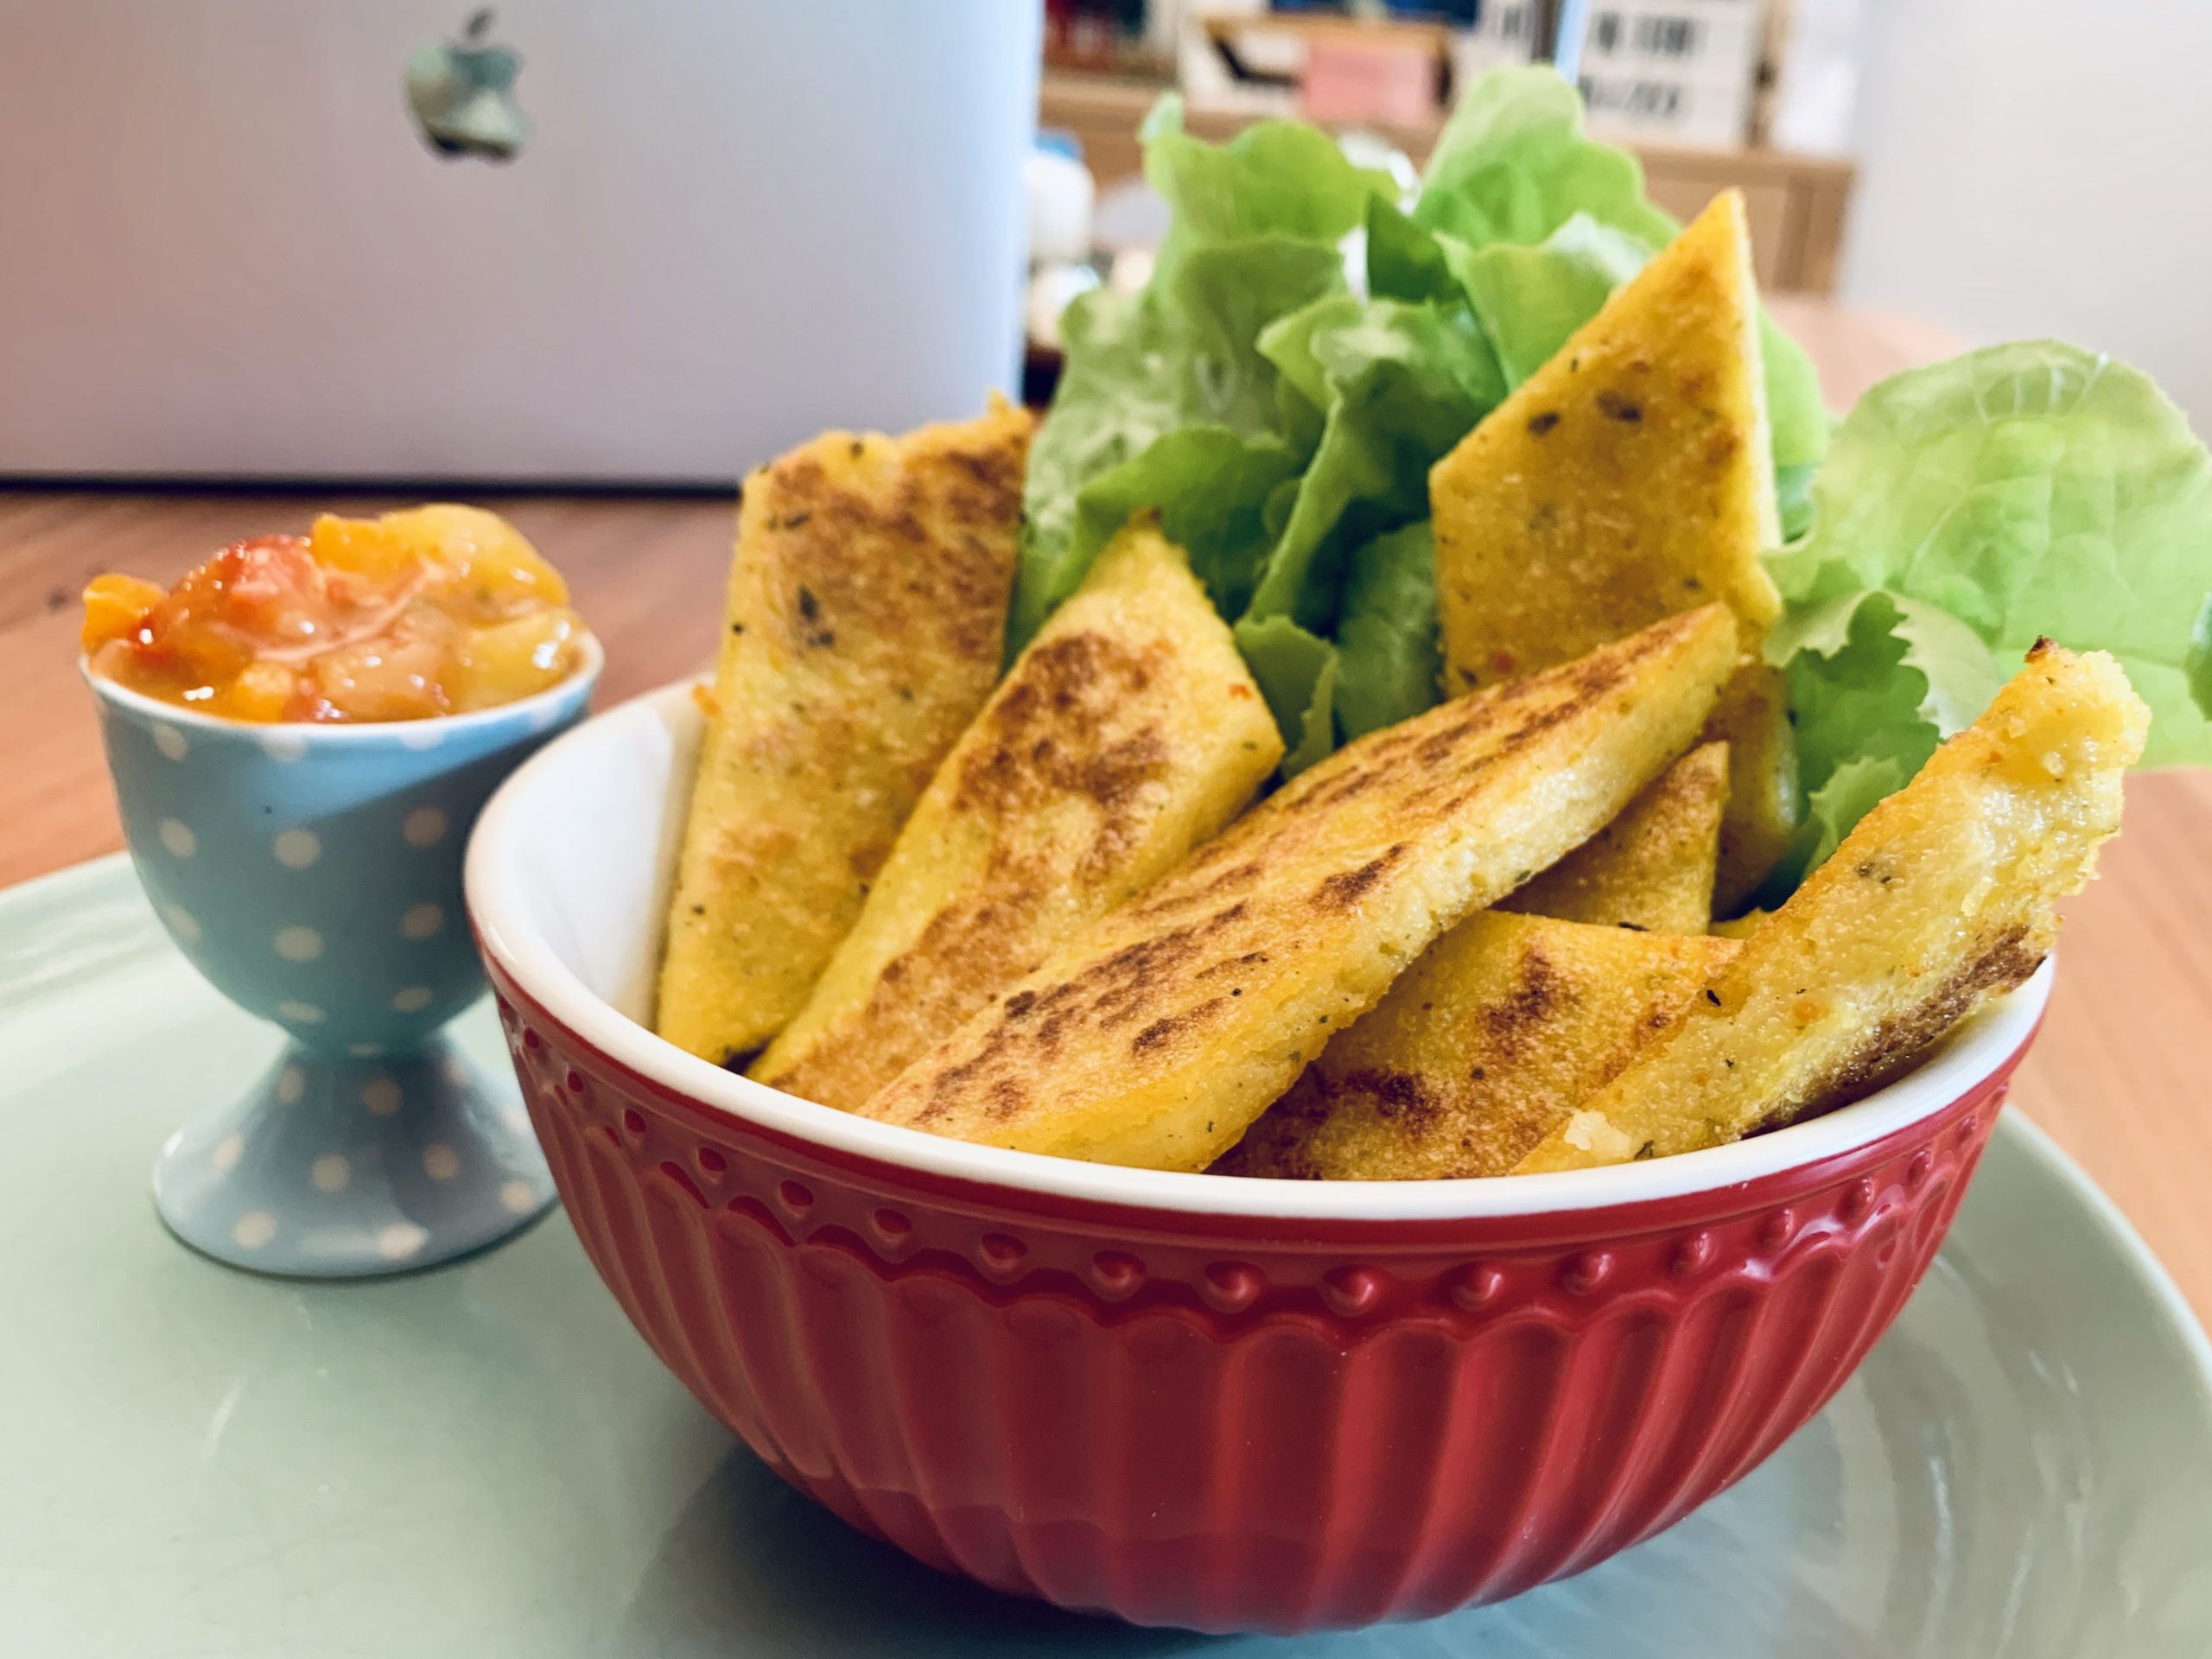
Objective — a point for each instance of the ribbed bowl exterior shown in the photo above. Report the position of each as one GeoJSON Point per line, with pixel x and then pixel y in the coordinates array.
{"type": "Point", "coordinates": [1218, 1423]}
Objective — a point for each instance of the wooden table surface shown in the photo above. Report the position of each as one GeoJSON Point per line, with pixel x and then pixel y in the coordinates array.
{"type": "Point", "coordinates": [2115, 1077]}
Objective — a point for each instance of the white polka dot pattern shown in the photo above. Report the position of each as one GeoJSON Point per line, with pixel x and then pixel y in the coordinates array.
{"type": "Point", "coordinates": [297, 943]}
{"type": "Point", "coordinates": [297, 849]}
{"type": "Point", "coordinates": [177, 837]}
{"type": "Point", "coordinates": [413, 1000]}
{"type": "Point", "coordinates": [424, 827]}
{"type": "Point", "coordinates": [170, 741]}
{"type": "Point", "coordinates": [422, 922]}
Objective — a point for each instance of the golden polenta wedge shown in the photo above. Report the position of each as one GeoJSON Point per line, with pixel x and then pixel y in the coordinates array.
{"type": "Point", "coordinates": [1126, 733]}
{"type": "Point", "coordinates": [1741, 927]}
{"type": "Point", "coordinates": [1506, 1024]}
{"type": "Point", "coordinates": [1652, 866]}
{"type": "Point", "coordinates": [1629, 477]}
{"type": "Point", "coordinates": [1944, 894]}
{"type": "Point", "coordinates": [865, 621]}
{"type": "Point", "coordinates": [1765, 801]}
{"type": "Point", "coordinates": [1169, 1025]}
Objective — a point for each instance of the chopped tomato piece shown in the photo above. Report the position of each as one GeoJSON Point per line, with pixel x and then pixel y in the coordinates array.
{"type": "Point", "coordinates": [432, 611]}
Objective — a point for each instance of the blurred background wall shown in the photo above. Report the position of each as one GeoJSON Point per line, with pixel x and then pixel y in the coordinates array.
{"type": "Point", "coordinates": [2039, 167]}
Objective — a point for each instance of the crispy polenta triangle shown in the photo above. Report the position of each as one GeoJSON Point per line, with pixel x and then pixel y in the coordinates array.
{"type": "Point", "coordinates": [1651, 868]}
{"type": "Point", "coordinates": [1628, 479]}
{"type": "Point", "coordinates": [1943, 895]}
{"type": "Point", "coordinates": [1504, 1026]}
{"type": "Point", "coordinates": [1127, 733]}
{"type": "Point", "coordinates": [1158, 1034]}
{"type": "Point", "coordinates": [865, 626]}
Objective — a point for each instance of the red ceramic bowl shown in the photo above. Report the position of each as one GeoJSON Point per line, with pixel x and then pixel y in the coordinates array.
{"type": "Point", "coordinates": [1186, 1400]}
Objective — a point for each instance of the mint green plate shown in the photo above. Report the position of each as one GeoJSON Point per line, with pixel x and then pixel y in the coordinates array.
{"type": "Point", "coordinates": [483, 1460]}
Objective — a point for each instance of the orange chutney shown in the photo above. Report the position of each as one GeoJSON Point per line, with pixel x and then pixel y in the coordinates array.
{"type": "Point", "coordinates": [434, 610]}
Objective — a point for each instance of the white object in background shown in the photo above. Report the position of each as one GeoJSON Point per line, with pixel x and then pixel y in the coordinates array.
{"type": "Point", "coordinates": [1816, 98]}
{"type": "Point", "coordinates": [1207, 80]}
{"type": "Point", "coordinates": [2036, 166]}
{"type": "Point", "coordinates": [1053, 289]}
{"type": "Point", "coordinates": [1680, 71]}
{"type": "Point", "coordinates": [226, 250]}
{"type": "Point", "coordinates": [1132, 269]}
{"type": "Point", "coordinates": [1061, 195]}
{"type": "Point", "coordinates": [1372, 150]}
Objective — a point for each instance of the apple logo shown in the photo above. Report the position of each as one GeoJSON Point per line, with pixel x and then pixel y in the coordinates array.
{"type": "Point", "coordinates": [461, 94]}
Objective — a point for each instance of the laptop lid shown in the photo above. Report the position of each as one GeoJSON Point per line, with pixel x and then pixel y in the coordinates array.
{"type": "Point", "coordinates": [258, 237]}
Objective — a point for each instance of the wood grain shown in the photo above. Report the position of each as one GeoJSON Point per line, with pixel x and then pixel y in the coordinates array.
{"type": "Point", "coordinates": [2117, 1075]}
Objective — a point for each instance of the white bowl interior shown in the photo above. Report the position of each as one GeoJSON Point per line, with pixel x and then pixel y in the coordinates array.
{"type": "Point", "coordinates": [568, 880]}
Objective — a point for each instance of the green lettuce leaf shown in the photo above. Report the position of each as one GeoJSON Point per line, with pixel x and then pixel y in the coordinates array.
{"type": "Point", "coordinates": [1797, 421]}
{"type": "Point", "coordinates": [1388, 666]}
{"type": "Point", "coordinates": [1864, 717]}
{"type": "Point", "coordinates": [1273, 179]}
{"type": "Point", "coordinates": [1530, 300]}
{"type": "Point", "coordinates": [1403, 384]}
{"type": "Point", "coordinates": [1964, 511]}
{"type": "Point", "coordinates": [1211, 488]}
{"type": "Point", "coordinates": [1140, 369]}
{"type": "Point", "coordinates": [1297, 673]}
{"type": "Point", "coordinates": [1793, 498]}
{"type": "Point", "coordinates": [1253, 237]}
{"type": "Point", "coordinates": [1404, 262]}
{"type": "Point", "coordinates": [2199, 663]}
{"type": "Point", "coordinates": [1512, 165]}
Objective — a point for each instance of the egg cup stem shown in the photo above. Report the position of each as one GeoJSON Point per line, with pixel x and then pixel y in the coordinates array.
{"type": "Point", "coordinates": [337, 1168]}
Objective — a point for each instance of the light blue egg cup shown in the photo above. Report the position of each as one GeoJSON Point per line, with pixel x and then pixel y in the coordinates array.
{"type": "Point", "coordinates": [312, 874]}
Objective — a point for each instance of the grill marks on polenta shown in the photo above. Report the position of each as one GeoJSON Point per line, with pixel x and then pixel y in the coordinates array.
{"type": "Point", "coordinates": [1944, 893]}
{"type": "Point", "coordinates": [1160, 1032]}
{"type": "Point", "coordinates": [864, 627]}
{"type": "Point", "coordinates": [1486, 1045]}
{"type": "Point", "coordinates": [1127, 731]}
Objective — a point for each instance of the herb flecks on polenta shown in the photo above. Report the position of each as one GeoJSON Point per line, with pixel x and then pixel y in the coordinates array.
{"type": "Point", "coordinates": [1943, 895]}
{"type": "Point", "coordinates": [1167, 1026]}
{"type": "Point", "coordinates": [1652, 866]}
{"type": "Point", "coordinates": [1126, 733]}
{"type": "Point", "coordinates": [1506, 1024]}
{"type": "Point", "coordinates": [1628, 479]}
{"type": "Point", "coordinates": [865, 624]}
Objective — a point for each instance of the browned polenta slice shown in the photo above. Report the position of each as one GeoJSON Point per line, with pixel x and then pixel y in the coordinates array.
{"type": "Point", "coordinates": [1628, 479]}
{"type": "Point", "coordinates": [1652, 866]}
{"type": "Point", "coordinates": [1126, 733]}
{"type": "Point", "coordinates": [1506, 1024]}
{"type": "Point", "coordinates": [1944, 894]}
{"type": "Point", "coordinates": [865, 622]}
{"type": "Point", "coordinates": [1160, 1033]}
